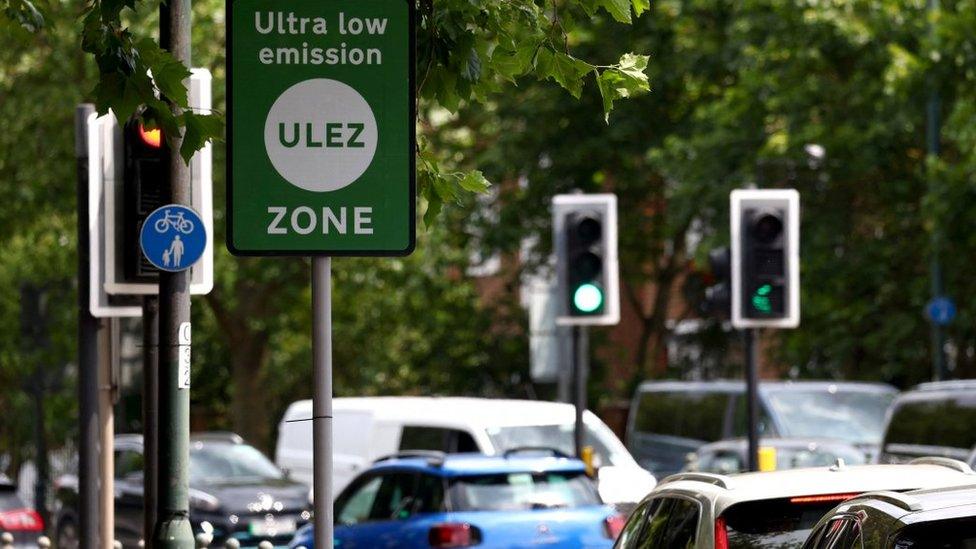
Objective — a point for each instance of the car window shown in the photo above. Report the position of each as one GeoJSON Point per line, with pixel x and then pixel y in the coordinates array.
{"type": "Point", "coordinates": [211, 461]}
{"type": "Point", "coordinates": [833, 412]}
{"type": "Point", "coordinates": [396, 498]}
{"type": "Point", "coordinates": [559, 437]}
{"type": "Point", "coordinates": [682, 524]}
{"type": "Point", "coordinates": [127, 462]}
{"type": "Point", "coordinates": [430, 494]}
{"type": "Point", "coordinates": [941, 534]}
{"type": "Point", "coordinates": [671, 523]}
{"type": "Point", "coordinates": [698, 415]}
{"type": "Point", "coordinates": [522, 491]}
{"type": "Point", "coordinates": [355, 504]}
{"type": "Point", "coordinates": [922, 422]}
{"type": "Point", "coordinates": [436, 438]}
{"type": "Point", "coordinates": [773, 523]}
{"type": "Point", "coordinates": [631, 533]}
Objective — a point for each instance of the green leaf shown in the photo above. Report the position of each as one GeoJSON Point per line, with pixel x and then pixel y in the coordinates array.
{"type": "Point", "coordinates": [640, 6]}
{"type": "Point", "coordinates": [565, 69]}
{"type": "Point", "coordinates": [24, 14]}
{"type": "Point", "coordinates": [625, 79]}
{"type": "Point", "coordinates": [200, 128]}
{"type": "Point", "coordinates": [167, 72]}
{"type": "Point", "coordinates": [618, 9]}
{"type": "Point", "coordinates": [474, 181]}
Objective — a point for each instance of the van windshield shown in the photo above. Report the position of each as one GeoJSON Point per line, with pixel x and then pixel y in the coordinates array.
{"type": "Point", "coordinates": [924, 422]}
{"type": "Point", "coordinates": [832, 412]}
{"type": "Point", "coordinates": [559, 437]}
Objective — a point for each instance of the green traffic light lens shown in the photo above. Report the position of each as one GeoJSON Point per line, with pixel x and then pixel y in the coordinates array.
{"type": "Point", "coordinates": [588, 298]}
{"type": "Point", "coordinates": [761, 299]}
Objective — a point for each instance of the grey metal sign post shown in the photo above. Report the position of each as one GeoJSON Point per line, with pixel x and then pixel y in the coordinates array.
{"type": "Point", "coordinates": [322, 399]}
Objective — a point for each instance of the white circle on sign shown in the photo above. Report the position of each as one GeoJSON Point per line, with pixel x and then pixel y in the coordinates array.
{"type": "Point", "coordinates": [320, 135]}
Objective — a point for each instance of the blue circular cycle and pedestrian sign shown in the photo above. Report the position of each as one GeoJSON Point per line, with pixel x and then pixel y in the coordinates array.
{"type": "Point", "coordinates": [941, 310]}
{"type": "Point", "coordinates": [173, 238]}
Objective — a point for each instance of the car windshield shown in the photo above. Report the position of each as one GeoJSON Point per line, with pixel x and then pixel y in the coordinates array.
{"type": "Point", "coordinates": [853, 416]}
{"type": "Point", "coordinates": [772, 523]}
{"type": "Point", "coordinates": [522, 491]}
{"type": "Point", "coordinates": [559, 437]}
{"type": "Point", "coordinates": [218, 461]}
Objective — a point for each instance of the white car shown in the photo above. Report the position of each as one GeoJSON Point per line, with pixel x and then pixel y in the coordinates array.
{"type": "Point", "coordinates": [775, 509]}
{"type": "Point", "coordinates": [367, 428]}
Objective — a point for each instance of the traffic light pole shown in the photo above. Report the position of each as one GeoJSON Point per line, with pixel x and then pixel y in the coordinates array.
{"type": "Point", "coordinates": [88, 518]}
{"type": "Point", "coordinates": [150, 409]}
{"type": "Point", "coordinates": [581, 367]}
{"type": "Point", "coordinates": [933, 129]}
{"type": "Point", "coordinates": [172, 528]}
{"type": "Point", "coordinates": [322, 401]}
{"type": "Point", "coordinates": [752, 396]}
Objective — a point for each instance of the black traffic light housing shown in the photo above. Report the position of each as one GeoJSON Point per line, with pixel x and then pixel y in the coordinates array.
{"type": "Point", "coordinates": [765, 258]}
{"type": "Point", "coordinates": [764, 263]}
{"type": "Point", "coordinates": [586, 255]}
{"type": "Point", "coordinates": [718, 296]}
{"type": "Point", "coordinates": [145, 173]}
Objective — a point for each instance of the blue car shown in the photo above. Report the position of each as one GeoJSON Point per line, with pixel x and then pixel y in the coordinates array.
{"type": "Point", "coordinates": [464, 500]}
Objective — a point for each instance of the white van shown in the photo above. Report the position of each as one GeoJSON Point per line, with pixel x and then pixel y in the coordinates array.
{"type": "Point", "coordinates": [367, 428]}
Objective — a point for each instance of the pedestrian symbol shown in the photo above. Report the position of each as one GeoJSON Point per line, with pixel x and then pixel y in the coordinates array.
{"type": "Point", "coordinates": [173, 238]}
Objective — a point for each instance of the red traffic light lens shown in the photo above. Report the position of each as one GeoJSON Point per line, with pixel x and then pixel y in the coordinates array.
{"type": "Point", "coordinates": [153, 138]}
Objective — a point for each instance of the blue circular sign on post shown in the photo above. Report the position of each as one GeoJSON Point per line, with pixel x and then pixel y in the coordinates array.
{"type": "Point", "coordinates": [173, 238]}
{"type": "Point", "coordinates": [941, 310]}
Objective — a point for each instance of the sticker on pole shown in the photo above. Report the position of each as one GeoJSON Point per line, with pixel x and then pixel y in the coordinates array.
{"type": "Point", "coordinates": [173, 238]}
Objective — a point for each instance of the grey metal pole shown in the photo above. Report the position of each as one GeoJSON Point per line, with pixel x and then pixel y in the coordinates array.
{"type": "Point", "coordinates": [322, 400]}
{"type": "Point", "coordinates": [88, 518]}
{"type": "Point", "coordinates": [106, 428]}
{"type": "Point", "coordinates": [933, 129]}
{"type": "Point", "coordinates": [581, 367]}
{"type": "Point", "coordinates": [150, 410]}
{"type": "Point", "coordinates": [172, 528]}
{"type": "Point", "coordinates": [752, 396]}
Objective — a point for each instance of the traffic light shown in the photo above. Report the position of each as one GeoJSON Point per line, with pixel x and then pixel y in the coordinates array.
{"type": "Point", "coordinates": [585, 234]}
{"type": "Point", "coordinates": [765, 258]}
{"type": "Point", "coordinates": [145, 175]}
{"type": "Point", "coordinates": [718, 296]}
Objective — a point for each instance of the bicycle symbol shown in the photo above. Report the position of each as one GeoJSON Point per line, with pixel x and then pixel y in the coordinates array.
{"type": "Point", "coordinates": [176, 221]}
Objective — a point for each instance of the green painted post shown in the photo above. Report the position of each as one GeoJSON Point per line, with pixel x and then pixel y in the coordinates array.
{"type": "Point", "coordinates": [172, 530]}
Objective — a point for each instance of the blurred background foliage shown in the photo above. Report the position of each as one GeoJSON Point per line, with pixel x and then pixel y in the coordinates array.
{"type": "Point", "coordinates": [740, 91]}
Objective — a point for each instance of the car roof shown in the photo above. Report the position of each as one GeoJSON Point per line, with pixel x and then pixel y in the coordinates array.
{"type": "Point", "coordinates": [732, 386]}
{"type": "Point", "coordinates": [727, 490]}
{"type": "Point", "coordinates": [455, 465]}
{"type": "Point", "coordinates": [917, 506]}
{"type": "Point", "coordinates": [777, 442]}
{"type": "Point", "coordinates": [951, 385]}
{"type": "Point", "coordinates": [455, 410]}
{"type": "Point", "coordinates": [201, 436]}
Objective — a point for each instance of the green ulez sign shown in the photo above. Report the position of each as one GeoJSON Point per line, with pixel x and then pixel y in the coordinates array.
{"type": "Point", "coordinates": [321, 131]}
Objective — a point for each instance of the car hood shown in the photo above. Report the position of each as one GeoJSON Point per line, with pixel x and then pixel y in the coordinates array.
{"type": "Point", "coordinates": [256, 496]}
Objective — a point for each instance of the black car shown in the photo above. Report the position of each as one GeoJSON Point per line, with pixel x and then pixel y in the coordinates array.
{"type": "Point", "coordinates": [920, 519]}
{"type": "Point", "coordinates": [235, 491]}
{"type": "Point", "coordinates": [16, 518]}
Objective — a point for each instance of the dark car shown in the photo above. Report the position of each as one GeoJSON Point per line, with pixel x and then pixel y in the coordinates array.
{"type": "Point", "coordinates": [933, 419]}
{"type": "Point", "coordinates": [16, 518]}
{"type": "Point", "coordinates": [669, 419]}
{"type": "Point", "coordinates": [920, 519]}
{"type": "Point", "coordinates": [726, 457]}
{"type": "Point", "coordinates": [235, 491]}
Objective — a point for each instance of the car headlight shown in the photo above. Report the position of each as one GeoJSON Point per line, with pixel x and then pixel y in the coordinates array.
{"type": "Point", "coordinates": [203, 501]}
